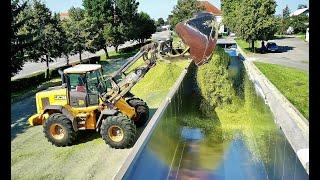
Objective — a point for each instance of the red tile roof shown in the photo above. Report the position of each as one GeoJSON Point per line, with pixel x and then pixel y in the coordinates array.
{"type": "Point", "coordinates": [210, 8]}
{"type": "Point", "coordinates": [64, 15]}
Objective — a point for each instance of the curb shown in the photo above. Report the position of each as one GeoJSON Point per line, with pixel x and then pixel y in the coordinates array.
{"type": "Point", "coordinates": [293, 124]}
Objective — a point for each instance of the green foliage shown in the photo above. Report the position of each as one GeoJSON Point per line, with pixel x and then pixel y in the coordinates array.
{"type": "Point", "coordinates": [21, 40]}
{"type": "Point", "coordinates": [250, 19]}
{"type": "Point", "coordinates": [229, 12]}
{"type": "Point", "coordinates": [299, 23]}
{"type": "Point", "coordinates": [50, 36]}
{"type": "Point", "coordinates": [292, 83]}
{"type": "Point", "coordinates": [112, 22]}
{"type": "Point", "coordinates": [184, 9]}
{"type": "Point", "coordinates": [214, 83]}
{"type": "Point", "coordinates": [160, 22]}
{"type": "Point", "coordinates": [75, 31]}
{"type": "Point", "coordinates": [99, 10]}
{"type": "Point", "coordinates": [286, 12]}
{"type": "Point", "coordinates": [255, 20]}
{"type": "Point", "coordinates": [144, 27]}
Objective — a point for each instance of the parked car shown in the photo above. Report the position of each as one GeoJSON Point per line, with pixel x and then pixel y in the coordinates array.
{"type": "Point", "coordinates": [272, 47]}
{"type": "Point", "coordinates": [232, 34]}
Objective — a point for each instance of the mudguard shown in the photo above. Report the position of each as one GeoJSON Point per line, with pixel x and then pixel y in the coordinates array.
{"type": "Point", "coordinates": [104, 113]}
{"type": "Point", "coordinates": [38, 119]}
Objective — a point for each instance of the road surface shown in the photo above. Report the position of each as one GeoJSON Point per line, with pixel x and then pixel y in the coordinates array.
{"type": "Point", "coordinates": [293, 53]}
{"type": "Point", "coordinates": [33, 67]}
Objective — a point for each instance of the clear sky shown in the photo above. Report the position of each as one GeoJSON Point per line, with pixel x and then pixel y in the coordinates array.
{"type": "Point", "coordinates": [162, 8]}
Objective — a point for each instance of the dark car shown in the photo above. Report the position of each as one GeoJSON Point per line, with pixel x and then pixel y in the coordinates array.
{"type": "Point", "coordinates": [272, 47]}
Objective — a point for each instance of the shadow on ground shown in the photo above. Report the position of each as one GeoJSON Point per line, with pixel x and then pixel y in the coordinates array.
{"type": "Point", "coordinates": [90, 135]}
{"type": "Point", "coordinates": [281, 49]}
{"type": "Point", "coordinates": [20, 112]}
{"type": "Point", "coordinates": [281, 37]}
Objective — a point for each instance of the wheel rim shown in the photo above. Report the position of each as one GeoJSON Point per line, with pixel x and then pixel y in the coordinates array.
{"type": "Point", "coordinates": [115, 133]}
{"type": "Point", "coordinates": [57, 131]}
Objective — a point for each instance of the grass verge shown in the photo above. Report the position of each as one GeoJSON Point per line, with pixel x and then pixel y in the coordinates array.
{"type": "Point", "coordinates": [245, 45]}
{"type": "Point", "coordinates": [292, 83]}
{"type": "Point", "coordinates": [117, 55]}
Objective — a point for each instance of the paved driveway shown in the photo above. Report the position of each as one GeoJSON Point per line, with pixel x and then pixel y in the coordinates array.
{"type": "Point", "coordinates": [294, 53]}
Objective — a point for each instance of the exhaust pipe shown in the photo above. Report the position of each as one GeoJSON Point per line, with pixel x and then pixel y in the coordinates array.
{"type": "Point", "coordinates": [62, 76]}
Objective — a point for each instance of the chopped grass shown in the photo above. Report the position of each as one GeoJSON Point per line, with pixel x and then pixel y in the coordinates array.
{"type": "Point", "coordinates": [292, 83]}
{"type": "Point", "coordinates": [157, 82]}
{"type": "Point", "coordinates": [245, 45]}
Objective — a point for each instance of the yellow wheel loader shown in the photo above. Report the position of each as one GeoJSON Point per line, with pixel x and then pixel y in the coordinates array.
{"type": "Point", "coordinates": [89, 99]}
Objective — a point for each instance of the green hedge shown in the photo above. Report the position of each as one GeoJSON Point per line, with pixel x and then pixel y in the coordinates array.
{"type": "Point", "coordinates": [35, 80]}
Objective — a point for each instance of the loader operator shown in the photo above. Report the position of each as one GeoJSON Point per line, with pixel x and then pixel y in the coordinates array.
{"type": "Point", "coordinates": [82, 81]}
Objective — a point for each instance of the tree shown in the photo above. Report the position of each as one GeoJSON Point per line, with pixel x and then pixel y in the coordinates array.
{"type": "Point", "coordinates": [50, 35]}
{"type": "Point", "coordinates": [284, 22]}
{"type": "Point", "coordinates": [145, 26]}
{"type": "Point", "coordinates": [256, 20]}
{"type": "Point", "coordinates": [301, 6]}
{"type": "Point", "coordinates": [184, 10]}
{"type": "Point", "coordinates": [21, 40]}
{"type": "Point", "coordinates": [125, 15]}
{"type": "Point", "coordinates": [299, 23]}
{"type": "Point", "coordinates": [230, 12]}
{"type": "Point", "coordinates": [67, 41]}
{"type": "Point", "coordinates": [160, 22]}
{"type": "Point", "coordinates": [114, 35]}
{"type": "Point", "coordinates": [99, 13]}
{"type": "Point", "coordinates": [286, 12]}
{"type": "Point", "coordinates": [75, 31]}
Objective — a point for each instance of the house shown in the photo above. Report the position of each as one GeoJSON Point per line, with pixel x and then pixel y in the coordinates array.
{"type": "Point", "coordinates": [64, 15]}
{"type": "Point", "coordinates": [216, 12]}
{"type": "Point", "coordinates": [300, 11]}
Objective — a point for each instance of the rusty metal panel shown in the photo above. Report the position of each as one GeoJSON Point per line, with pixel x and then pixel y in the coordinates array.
{"type": "Point", "coordinates": [200, 34]}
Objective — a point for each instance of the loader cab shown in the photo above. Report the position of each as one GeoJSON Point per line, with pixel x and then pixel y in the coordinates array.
{"type": "Point", "coordinates": [84, 84]}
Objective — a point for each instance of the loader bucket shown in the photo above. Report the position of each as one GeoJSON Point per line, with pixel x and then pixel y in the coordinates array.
{"type": "Point", "coordinates": [35, 119]}
{"type": "Point", "coordinates": [200, 34]}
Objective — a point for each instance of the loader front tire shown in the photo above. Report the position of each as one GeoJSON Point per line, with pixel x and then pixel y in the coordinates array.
{"type": "Point", "coordinates": [118, 131]}
{"type": "Point", "coordinates": [58, 130]}
{"type": "Point", "coordinates": [142, 111]}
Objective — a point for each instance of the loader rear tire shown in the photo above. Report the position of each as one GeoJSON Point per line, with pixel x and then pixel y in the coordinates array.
{"type": "Point", "coordinates": [58, 130]}
{"type": "Point", "coordinates": [118, 131]}
{"type": "Point", "coordinates": [142, 111]}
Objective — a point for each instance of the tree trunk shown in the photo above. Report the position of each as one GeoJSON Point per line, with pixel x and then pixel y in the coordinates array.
{"type": "Point", "coordinates": [252, 45]}
{"type": "Point", "coordinates": [106, 51]}
{"type": "Point", "coordinates": [47, 63]}
{"type": "Point", "coordinates": [80, 56]}
{"type": "Point", "coordinates": [116, 48]}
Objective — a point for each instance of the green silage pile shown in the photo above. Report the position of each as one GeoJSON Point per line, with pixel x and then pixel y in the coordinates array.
{"type": "Point", "coordinates": [214, 82]}
{"type": "Point", "coordinates": [236, 110]}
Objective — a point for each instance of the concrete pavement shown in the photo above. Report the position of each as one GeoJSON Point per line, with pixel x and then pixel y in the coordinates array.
{"type": "Point", "coordinates": [293, 53]}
